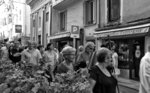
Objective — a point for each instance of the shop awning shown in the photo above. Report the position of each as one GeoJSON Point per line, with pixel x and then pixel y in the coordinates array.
{"type": "Point", "coordinates": [60, 35]}
{"type": "Point", "coordinates": [127, 31]}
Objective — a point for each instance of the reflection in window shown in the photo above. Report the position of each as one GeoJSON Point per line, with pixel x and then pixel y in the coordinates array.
{"type": "Point", "coordinates": [123, 55]}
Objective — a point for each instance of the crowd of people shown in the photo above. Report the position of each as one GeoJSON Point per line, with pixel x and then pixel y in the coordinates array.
{"type": "Point", "coordinates": [99, 64]}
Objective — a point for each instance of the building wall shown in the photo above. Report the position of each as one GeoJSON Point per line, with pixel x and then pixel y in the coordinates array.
{"type": "Point", "coordinates": [135, 9]}
{"type": "Point", "coordinates": [39, 8]}
{"type": "Point", "coordinates": [55, 22]}
{"type": "Point", "coordinates": [75, 16]}
{"type": "Point", "coordinates": [130, 10]}
{"type": "Point", "coordinates": [27, 19]}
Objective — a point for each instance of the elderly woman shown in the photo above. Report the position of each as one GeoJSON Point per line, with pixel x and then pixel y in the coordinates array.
{"type": "Point", "coordinates": [87, 55]}
{"type": "Point", "coordinates": [102, 80]}
{"type": "Point", "coordinates": [69, 57]}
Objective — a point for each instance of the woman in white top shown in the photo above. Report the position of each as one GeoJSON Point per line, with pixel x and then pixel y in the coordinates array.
{"type": "Point", "coordinates": [50, 59]}
{"type": "Point", "coordinates": [115, 60]}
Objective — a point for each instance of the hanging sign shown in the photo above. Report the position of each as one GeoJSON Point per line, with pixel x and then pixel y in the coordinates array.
{"type": "Point", "coordinates": [18, 28]}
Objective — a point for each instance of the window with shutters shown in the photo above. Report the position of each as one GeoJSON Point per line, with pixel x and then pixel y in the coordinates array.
{"type": "Point", "coordinates": [90, 12]}
{"type": "Point", "coordinates": [113, 10]}
{"type": "Point", "coordinates": [63, 20]}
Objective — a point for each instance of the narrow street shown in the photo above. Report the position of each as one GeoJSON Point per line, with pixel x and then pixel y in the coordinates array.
{"type": "Point", "coordinates": [66, 46]}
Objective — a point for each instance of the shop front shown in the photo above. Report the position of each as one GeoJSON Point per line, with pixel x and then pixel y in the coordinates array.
{"type": "Point", "coordinates": [130, 46]}
{"type": "Point", "coordinates": [60, 40]}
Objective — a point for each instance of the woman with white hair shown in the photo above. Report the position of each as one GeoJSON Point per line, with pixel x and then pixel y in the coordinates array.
{"type": "Point", "coordinates": [69, 58]}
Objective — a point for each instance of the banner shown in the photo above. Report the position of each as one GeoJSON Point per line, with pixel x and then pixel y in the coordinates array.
{"type": "Point", "coordinates": [18, 28]}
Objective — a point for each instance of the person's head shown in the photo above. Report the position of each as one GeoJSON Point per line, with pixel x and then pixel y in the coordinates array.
{"type": "Point", "coordinates": [50, 46]}
{"type": "Point", "coordinates": [69, 54]}
{"type": "Point", "coordinates": [40, 47]}
{"type": "Point", "coordinates": [114, 47]}
{"type": "Point", "coordinates": [31, 45]}
{"type": "Point", "coordinates": [16, 44]}
{"type": "Point", "coordinates": [104, 55]}
{"type": "Point", "coordinates": [89, 47]}
{"type": "Point", "coordinates": [81, 48]}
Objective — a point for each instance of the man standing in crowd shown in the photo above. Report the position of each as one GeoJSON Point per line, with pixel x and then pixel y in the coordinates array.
{"type": "Point", "coordinates": [31, 55]}
{"type": "Point", "coordinates": [15, 52]}
{"type": "Point", "coordinates": [145, 73]}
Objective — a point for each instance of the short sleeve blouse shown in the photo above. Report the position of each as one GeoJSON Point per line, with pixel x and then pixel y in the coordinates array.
{"type": "Point", "coordinates": [104, 84]}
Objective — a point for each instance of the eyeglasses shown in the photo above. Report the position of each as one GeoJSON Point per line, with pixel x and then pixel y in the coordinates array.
{"type": "Point", "coordinates": [91, 48]}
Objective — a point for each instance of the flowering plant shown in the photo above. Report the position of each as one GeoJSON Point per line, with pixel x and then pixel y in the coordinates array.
{"type": "Point", "coordinates": [71, 82]}
{"type": "Point", "coordinates": [28, 78]}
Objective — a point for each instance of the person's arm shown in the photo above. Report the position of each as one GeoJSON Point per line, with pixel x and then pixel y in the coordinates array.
{"type": "Point", "coordinates": [92, 84]}
{"type": "Point", "coordinates": [79, 58]}
{"type": "Point", "coordinates": [147, 77]}
{"type": "Point", "coordinates": [93, 79]}
{"type": "Point", "coordinates": [39, 57]}
{"type": "Point", "coordinates": [23, 57]}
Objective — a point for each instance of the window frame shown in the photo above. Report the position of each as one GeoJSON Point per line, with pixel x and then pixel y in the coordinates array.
{"type": "Point", "coordinates": [92, 20]}
{"type": "Point", "coordinates": [47, 16]}
{"type": "Point", "coordinates": [109, 13]}
{"type": "Point", "coordinates": [40, 20]}
{"type": "Point", "coordinates": [63, 22]}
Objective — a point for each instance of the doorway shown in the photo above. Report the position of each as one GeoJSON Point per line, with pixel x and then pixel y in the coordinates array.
{"type": "Point", "coordinates": [130, 51]}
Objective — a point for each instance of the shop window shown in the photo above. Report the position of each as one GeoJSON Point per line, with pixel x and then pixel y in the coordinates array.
{"type": "Point", "coordinates": [113, 10]}
{"type": "Point", "coordinates": [123, 58]}
{"type": "Point", "coordinates": [90, 12]}
{"type": "Point", "coordinates": [63, 20]}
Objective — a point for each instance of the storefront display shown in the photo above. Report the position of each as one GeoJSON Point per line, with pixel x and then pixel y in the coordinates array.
{"type": "Point", "coordinates": [130, 52]}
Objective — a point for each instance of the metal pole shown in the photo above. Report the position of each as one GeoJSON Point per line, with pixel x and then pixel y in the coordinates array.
{"type": "Point", "coordinates": [74, 42]}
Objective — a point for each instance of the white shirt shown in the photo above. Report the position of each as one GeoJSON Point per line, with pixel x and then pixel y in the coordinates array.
{"type": "Point", "coordinates": [31, 56]}
{"type": "Point", "coordinates": [145, 74]}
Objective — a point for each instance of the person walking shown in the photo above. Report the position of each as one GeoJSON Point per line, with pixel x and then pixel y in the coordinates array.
{"type": "Point", "coordinates": [116, 71]}
{"type": "Point", "coordinates": [145, 73]}
{"type": "Point", "coordinates": [87, 55]}
{"type": "Point", "coordinates": [69, 58]}
{"type": "Point", "coordinates": [50, 59]}
{"type": "Point", "coordinates": [15, 52]}
{"type": "Point", "coordinates": [102, 81]}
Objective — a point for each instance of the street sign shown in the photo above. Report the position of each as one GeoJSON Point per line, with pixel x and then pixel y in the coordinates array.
{"type": "Point", "coordinates": [18, 28]}
{"type": "Point", "coordinates": [74, 31]}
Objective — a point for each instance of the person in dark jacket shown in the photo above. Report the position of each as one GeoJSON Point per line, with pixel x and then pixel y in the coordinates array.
{"type": "Point", "coordinates": [15, 52]}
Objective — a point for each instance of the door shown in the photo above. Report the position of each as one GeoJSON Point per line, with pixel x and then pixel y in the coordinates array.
{"type": "Point", "coordinates": [138, 52]}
